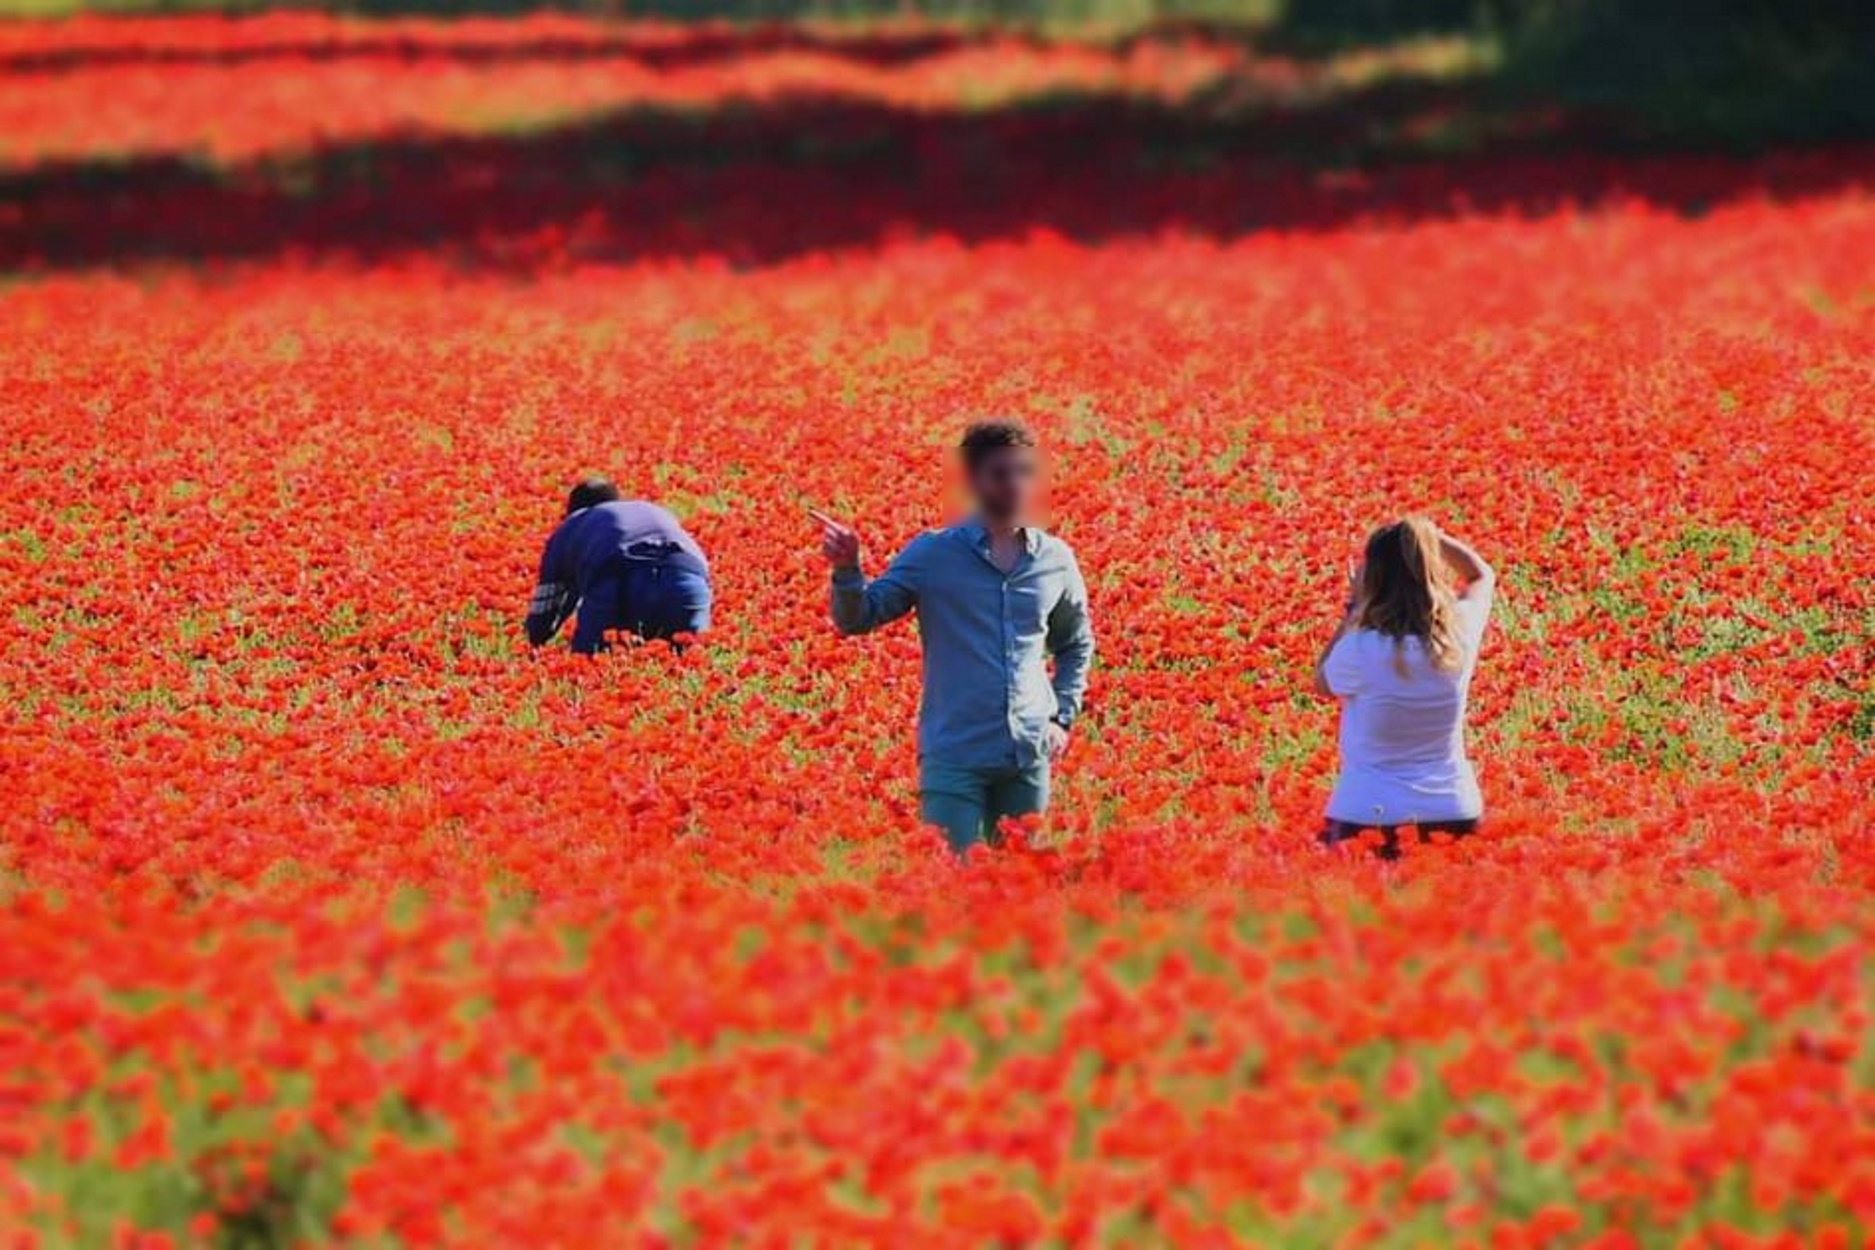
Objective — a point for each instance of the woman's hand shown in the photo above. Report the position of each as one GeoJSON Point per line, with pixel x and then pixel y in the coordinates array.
{"type": "Point", "coordinates": [1357, 573]}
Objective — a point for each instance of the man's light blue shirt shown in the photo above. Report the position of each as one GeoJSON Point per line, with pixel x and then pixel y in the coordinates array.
{"type": "Point", "coordinates": [988, 636]}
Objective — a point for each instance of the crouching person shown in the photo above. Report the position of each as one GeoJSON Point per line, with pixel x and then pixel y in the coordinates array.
{"type": "Point", "coordinates": [628, 568]}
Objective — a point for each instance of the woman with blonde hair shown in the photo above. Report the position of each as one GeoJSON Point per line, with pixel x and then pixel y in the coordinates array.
{"type": "Point", "coordinates": [1401, 663]}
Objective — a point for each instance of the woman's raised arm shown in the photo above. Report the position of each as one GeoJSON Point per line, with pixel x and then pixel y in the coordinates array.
{"type": "Point", "coordinates": [1470, 565]}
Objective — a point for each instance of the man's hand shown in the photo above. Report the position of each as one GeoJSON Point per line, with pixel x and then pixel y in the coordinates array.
{"type": "Point", "coordinates": [839, 543]}
{"type": "Point", "coordinates": [1055, 740]}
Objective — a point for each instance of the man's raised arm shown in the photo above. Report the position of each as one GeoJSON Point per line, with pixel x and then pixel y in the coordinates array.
{"type": "Point", "coordinates": [861, 606]}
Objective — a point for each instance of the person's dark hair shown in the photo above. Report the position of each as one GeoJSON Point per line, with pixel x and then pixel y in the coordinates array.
{"type": "Point", "coordinates": [590, 493]}
{"type": "Point", "coordinates": [985, 438]}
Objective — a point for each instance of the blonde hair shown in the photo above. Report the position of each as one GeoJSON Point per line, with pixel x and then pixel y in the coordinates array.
{"type": "Point", "coordinates": [1406, 592]}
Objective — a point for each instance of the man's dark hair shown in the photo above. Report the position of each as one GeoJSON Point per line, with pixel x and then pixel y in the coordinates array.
{"type": "Point", "coordinates": [590, 493]}
{"type": "Point", "coordinates": [985, 438]}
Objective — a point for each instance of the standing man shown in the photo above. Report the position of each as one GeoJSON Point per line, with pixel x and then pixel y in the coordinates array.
{"type": "Point", "coordinates": [627, 566]}
{"type": "Point", "coordinates": [996, 597]}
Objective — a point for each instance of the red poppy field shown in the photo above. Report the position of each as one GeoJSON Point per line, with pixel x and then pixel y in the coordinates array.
{"type": "Point", "coordinates": [333, 915]}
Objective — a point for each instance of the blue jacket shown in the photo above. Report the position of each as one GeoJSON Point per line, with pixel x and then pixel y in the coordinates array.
{"type": "Point", "coordinates": [594, 548]}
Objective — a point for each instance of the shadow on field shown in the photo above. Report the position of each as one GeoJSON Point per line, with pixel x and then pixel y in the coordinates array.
{"type": "Point", "coordinates": [759, 182]}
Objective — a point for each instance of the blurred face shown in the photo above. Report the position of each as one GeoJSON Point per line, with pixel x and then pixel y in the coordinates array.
{"type": "Point", "coordinates": [1006, 486]}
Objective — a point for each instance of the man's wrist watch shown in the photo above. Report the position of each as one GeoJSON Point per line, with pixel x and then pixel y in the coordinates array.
{"type": "Point", "coordinates": [1064, 723]}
